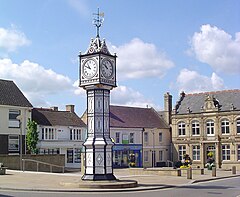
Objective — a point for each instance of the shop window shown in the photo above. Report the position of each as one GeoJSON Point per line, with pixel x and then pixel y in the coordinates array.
{"type": "Point", "coordinates": [225, 127]}
{"type": "Point", "coordinates": [195, 128]}
{"type": "Point", "coordinates": [13, 121]}
{"type": "Point", "coordinates": [196, 152]}
{"type": "Point", "coordinates": [77, 155]}
{"type": "Point", "coordinates": [69, 155]}
{"type": "Point", "coordinates": [226, 152]}
{"type": "Point", "coordinates": [181, 129]}
{"type": "Point", "coordinates": [13, 143]}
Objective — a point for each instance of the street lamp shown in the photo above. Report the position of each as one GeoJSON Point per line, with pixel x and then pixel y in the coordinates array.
{"type": "Point", "coordinates": [19, 117]}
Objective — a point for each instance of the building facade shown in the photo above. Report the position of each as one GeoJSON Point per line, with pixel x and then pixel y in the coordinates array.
{"type": "Point", "coordinates": [207, 122]}
{"type": "Point", "coordinates": [15, 110]}
{"type": "Point", "coordinates": [60, 132]}
{"type": "Point", "coordinates": [140, 132]}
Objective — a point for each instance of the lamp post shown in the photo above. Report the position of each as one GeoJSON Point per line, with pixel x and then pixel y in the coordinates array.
{"type": "Point", "coordinates": [20, 141]}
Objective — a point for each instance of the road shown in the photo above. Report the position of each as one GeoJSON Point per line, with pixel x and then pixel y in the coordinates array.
{"type": "Point", "coordinates": [218, 188]}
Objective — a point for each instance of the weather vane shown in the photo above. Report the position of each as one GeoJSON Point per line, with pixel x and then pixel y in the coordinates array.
{"type": "Point", "coordinates": [98, 21]}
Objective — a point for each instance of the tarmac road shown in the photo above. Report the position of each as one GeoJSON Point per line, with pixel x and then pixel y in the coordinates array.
{"type": "Point", "coordinates": [229, 187]}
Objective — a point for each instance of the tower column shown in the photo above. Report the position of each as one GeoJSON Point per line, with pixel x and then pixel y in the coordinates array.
{"type": "Point", "coordinates": [98, 145]}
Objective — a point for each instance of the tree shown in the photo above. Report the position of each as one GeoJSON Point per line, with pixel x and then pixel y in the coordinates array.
{"type": "Point", "coordinates": [32, 136]}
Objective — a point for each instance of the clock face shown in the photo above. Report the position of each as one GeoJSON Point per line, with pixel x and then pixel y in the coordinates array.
{"type": "Point", "coordinates": [107, 68]}
{"type": "Point", "coordinates": [89, 68]}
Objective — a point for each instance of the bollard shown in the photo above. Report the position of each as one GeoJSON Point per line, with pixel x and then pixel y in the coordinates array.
{"type": "Point", "coordinates": [234, 169]}
{"type": "Point", "coordinates": [214, 171]}
{"type": "Point", "coordinates": [189, 173]}
{"type": "Point", "coordinates": [202, 171]}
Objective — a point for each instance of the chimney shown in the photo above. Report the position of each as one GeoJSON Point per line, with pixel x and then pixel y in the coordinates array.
{"type": "Point", "coordinates": [168, 107]}
{"type": "Point", "coordinates": [54, 108]}
{"type": "Point", "coordinates": [70, 108]}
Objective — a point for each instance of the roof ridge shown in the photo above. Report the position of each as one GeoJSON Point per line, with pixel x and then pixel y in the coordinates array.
{"type": "Point", "coordinates": [213, 92]}
{"type": "Point", "coordinates": [6, 80]}
{"type": "Point", "coordinates": [130, 106]}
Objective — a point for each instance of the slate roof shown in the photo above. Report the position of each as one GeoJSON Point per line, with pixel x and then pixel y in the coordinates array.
{"type": "Point", "coordinates": [226, 99]}
{"type": "Point", "coordinates": [11, 95]}
{"type": "Point", "coordinates": [135, 117]}
{"type": "Point", "coordinates": [50, 117]}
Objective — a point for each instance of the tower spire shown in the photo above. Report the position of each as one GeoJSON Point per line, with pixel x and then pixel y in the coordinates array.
{"type": "Point", "coordinates": [98, 20]}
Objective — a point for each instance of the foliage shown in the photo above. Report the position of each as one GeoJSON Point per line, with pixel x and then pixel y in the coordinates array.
{"type": "Point", "coordinates": [32, 136]}
{"type": "Point", "coordinates": [210, 154]}
{"type": "Point", "coordinates": [186, 162]}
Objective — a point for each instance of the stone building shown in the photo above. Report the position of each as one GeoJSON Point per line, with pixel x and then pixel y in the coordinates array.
{"type": "Point", "coordinates": [15, 110]}
{"type": "Point", "coordinates": [207, 122]}
{"type": "Point", "coordinates": [60, 132]}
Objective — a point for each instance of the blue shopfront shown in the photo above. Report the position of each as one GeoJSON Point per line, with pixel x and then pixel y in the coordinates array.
{"type": "Point", "coordinates": [124, 154]}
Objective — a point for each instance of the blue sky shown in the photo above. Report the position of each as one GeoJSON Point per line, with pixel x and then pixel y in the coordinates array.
{"type": "Point", "coordinates": [162, 46]}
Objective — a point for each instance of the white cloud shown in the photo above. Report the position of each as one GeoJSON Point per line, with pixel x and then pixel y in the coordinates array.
{"type": "Point", "coordinates": [123, 95]}
{"type": "Point", "coordinates": [80, 6]}
{"type": "Point", "coordinates": [77, 89]}
{"type": "Point", "coordinates": [137, 59]}
{"type": "Point", "coordinates": [34, 80]}
{"type": "Point", "coordinates": [191, 82]}
{"type": "Point", "coordinates": [217, 48]}
{"type": "Point", "coordinates": [11, 39]}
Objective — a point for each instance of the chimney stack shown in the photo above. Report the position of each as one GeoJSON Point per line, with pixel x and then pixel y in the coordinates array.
{"type": "Point", "coordinates": [54, 108]}
{"type": "Point", "coordinates": [168, 107]}
{"type": "Point", "coordinates": [70, 108]}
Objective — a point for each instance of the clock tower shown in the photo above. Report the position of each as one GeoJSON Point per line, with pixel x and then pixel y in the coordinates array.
{"type": "Point", "coordinates": [98, 76]}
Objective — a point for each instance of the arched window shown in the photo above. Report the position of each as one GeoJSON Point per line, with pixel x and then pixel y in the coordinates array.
{"type": "Point", "coordinates": [225, 127]}
{"type": "Point", "coordinates": [238, 126]}
{"type": "Point", "coordinates": [195, 128]}
{"type": "Point", "coordinates": [210, 127]}
{"type": "Point", "coordinates": [181, 128]}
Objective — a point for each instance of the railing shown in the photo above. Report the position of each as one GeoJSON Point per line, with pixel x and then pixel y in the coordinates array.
{"type": "Point", "coordinates": [169, 162]}
{"type": "Point", "coordinates": [40, 162]}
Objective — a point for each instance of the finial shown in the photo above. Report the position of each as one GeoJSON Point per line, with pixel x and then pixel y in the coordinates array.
{"type": "Point", "coordinates": [98, 21]}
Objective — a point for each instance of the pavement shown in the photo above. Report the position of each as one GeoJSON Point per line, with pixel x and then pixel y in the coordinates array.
{"type": "Point", "coordinates": [71, 182]}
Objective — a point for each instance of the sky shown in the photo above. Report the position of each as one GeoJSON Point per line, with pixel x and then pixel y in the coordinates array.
{"type": "Point", "coordinates": [162, 46]}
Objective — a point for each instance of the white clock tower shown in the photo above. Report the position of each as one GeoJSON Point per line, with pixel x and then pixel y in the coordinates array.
{"type": "Point", "coordinates": [98, 77]}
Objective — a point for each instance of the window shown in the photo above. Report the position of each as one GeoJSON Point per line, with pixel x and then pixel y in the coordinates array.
{"type": "Point", "coordinates": [210, 127]}
{"type": "Point", "coordinates": [49, 133]}
{"type": "Point", "coordinates": [225, 127]}
{"type": "Point", "coordinates": [131, 138]}
{"type": "Point", "coordinates": [75, 134]}
{"type": "Point", "coordinates": [181, 128]}
{"type": "Point", "coordinates": [226, 152]}
{"type": "Point", "coordinates": [181, 151]}
{"type": "Point", "coordinates": [195, 128]}
{"type": "Point", "coordinates": [13, 121]}
{"type": "Point", "coordinates": [146, 156]}
{"type": "Point", "coordinates": [69, 155]}
{"type": "Point", "coordinates": [238, 126]}
{"type": "Point", "coordinates": [117, 137]}
{"type": "Point", "coordinates": [161, 155]}
{"type": "Point", "coordinates": [77, 155]}
{"type": "Point", "coordinates": [238, 152]}
{"type": "Point", "coordinates": [196, 152]}
{"type": "Point", "coordinates": [145, 137]}
{"type": "Point", "coordinates": [160, 137]}
{"type": "Point", "coordinates": [13, 143]}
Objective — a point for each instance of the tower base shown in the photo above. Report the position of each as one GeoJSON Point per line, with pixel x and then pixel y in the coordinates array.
{"type": "Point", "coordinates": [98, 177]}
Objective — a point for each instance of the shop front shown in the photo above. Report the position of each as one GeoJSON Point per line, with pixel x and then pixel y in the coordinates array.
{"type": "Point", "coordinates": [126, 155]}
